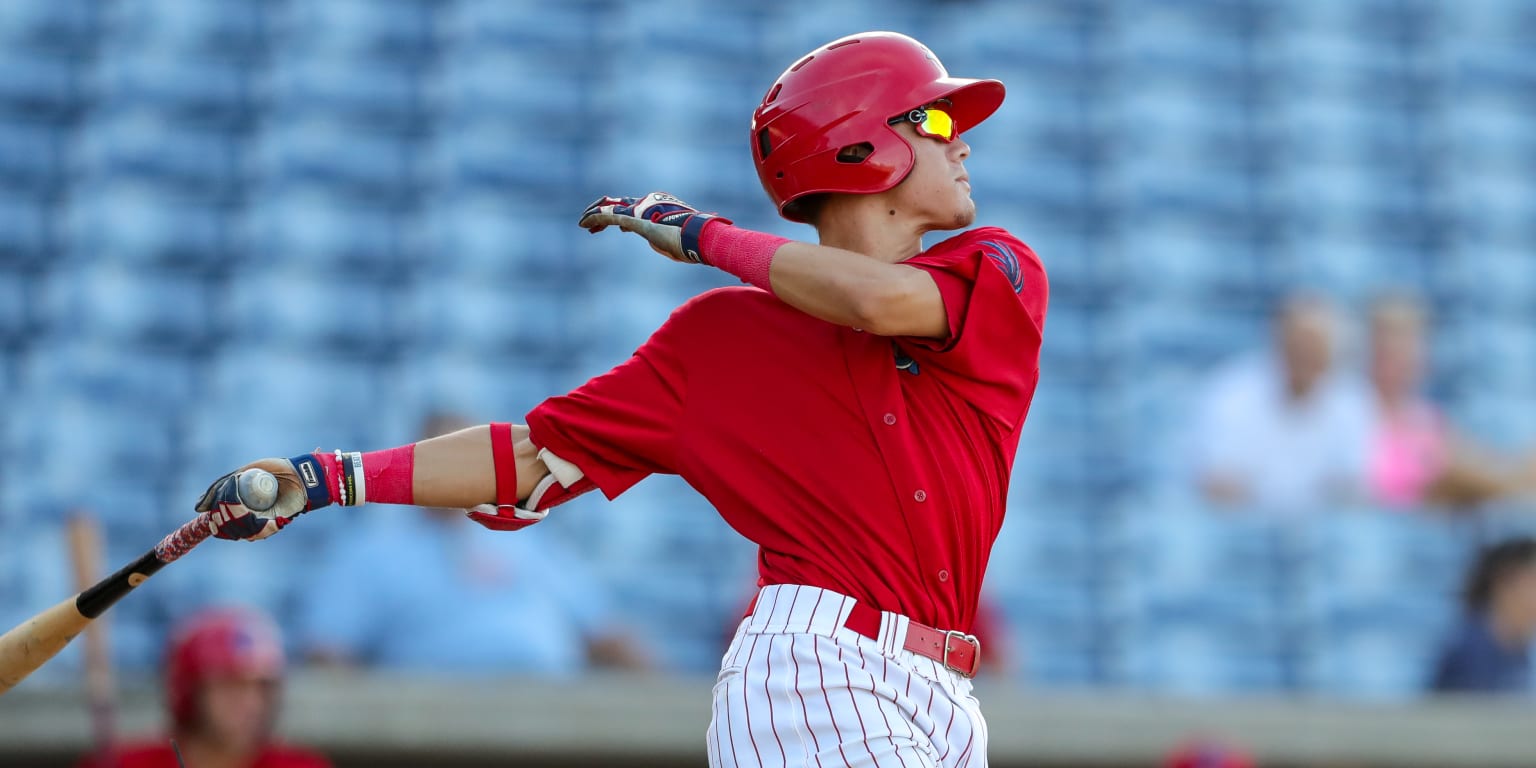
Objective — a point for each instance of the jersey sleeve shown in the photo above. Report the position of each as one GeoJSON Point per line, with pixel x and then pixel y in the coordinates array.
{"type": "Point", "coordinates": [622, 425]}
{"type": "Point", "coordinates": [995, 295]}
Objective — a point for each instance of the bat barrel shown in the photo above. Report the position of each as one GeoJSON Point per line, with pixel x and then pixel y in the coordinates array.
{"type": "Point", "coordinates": [32, 643]}
{"type": "Point", "coordinates": [38, 639]}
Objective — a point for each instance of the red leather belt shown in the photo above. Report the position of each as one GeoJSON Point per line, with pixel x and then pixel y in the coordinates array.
{"type": "Point", "coordinates": [957, 651]}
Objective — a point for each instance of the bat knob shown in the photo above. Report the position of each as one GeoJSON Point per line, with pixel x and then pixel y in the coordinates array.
{"type": "Point", "coordinates": [257, 489]}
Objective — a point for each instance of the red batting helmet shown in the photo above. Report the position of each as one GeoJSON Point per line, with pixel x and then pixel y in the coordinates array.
{"type": "Point", "coordinates": [842, 95]}
{"type": "Point", "coordinates": [223, 642]}
{"type": "Point", "coordinates": [1207, 755]}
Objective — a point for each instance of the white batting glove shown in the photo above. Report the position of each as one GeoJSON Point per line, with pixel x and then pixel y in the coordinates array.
{"type": "Point", "coordinates": [230, 517]}
{"type": "Point", "coordinates": [671, 226]}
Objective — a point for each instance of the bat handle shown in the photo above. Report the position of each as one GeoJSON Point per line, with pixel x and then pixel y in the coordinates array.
{"type": "Point", "coordinates": [183, 539]}
{"type": "Point", "coordinates": [100, 596]}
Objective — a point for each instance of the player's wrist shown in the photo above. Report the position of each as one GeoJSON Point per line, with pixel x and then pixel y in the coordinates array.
{"type": "Point", "coordinates": [744, 253]}
{"type": "Point", "coordinates": [318, 473]}
{"type": "Point", "coordinates": [353, 478]}
{"type": "Point", "coordinates": [691, 233]}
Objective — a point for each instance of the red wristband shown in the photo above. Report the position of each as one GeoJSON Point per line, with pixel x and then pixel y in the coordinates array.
{"type": "Point", "coordinates": [331, 463]}
{"type": "Point", "coordinates": [390, 475]}
{"type": "Point", "coordinates": [741, 252]}
{"type": "Point", "coordinates": [505, 460]}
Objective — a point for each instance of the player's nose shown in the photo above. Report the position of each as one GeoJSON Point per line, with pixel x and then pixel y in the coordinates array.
{"type": "Point", "coordinates": [959, 150]}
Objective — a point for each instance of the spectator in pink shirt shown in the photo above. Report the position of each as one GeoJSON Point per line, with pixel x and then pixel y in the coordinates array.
{"type": "Point", "coordinates": [1416, 456]}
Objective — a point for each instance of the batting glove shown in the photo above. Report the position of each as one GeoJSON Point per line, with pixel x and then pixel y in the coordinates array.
{"type": "Point", "coordinates": [671, 226]}
{"type": "Point", "coordinates": [301, 486]}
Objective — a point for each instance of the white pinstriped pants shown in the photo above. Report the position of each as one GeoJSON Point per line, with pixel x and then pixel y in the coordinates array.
{"type": "Point", "coordinates": [797, 688]}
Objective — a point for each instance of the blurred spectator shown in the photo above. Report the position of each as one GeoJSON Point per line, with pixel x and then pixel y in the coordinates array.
{"type": "Point", "coordinates": [1201, 753]}
{"type": "Point", "coordinates": [424, 590]}
{"type": "Point", "coordinates": [1416, 457]}
{"type": "Point", "coordinates": [1282, 432]}
{"type": "Point", "coordinates": [991, 628]}
{"type": "Point", "coordinates": [1490, 649]}
{"type": "Point", "coordinates": [223, 680]}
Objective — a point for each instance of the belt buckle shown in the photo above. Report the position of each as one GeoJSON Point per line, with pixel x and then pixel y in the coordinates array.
{"type": "Point", "coordinates": [949, 638]}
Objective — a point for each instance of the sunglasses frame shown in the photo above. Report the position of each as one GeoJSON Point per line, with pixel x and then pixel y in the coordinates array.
{"type": "Point", "coordinates": [919, 115]}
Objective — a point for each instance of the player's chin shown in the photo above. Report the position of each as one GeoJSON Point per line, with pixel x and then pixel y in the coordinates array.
{"type": "Point", "coordinates": [965, 214]}
{"type": "Point", "coordinates": [958, 215]}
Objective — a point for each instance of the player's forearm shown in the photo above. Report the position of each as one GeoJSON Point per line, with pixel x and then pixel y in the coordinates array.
{"type": "Point", "coordinates": [851, 289]}
{"type": "Point", "coordinates": [832, 284]}
{"type": "Point", "coordinates": [458, 469]}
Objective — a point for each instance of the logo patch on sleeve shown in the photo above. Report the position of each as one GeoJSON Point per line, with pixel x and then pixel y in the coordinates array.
{"type": "Point", "coordinates": [1007, 261]}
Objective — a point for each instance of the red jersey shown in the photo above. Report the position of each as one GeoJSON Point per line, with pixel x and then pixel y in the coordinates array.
{"type": "Point", "coordinates": [872, 466]}
{"type": "Point", "coordinates": [158, 754]}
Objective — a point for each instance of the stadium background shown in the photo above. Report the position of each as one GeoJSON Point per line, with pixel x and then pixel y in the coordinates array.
{"type": "Point", "coordinates": [235, 229]}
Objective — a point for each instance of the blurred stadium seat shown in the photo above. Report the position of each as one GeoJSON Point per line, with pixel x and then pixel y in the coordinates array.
{"type": "Point", "coordinates": [224, 28]}
{"type": "Point", "coordinates": [200, 90]}
{"type": "Point", "coordinates": [384, 30]}
{"type": "Point", "coordinates": [132, 145]}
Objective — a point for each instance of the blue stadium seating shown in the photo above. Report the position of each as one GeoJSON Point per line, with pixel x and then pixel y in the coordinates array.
{"type": "Point", "coordinates": [224, 28]}
{"type": "Point", "coordinates": [31, 157]}
{"type": "Point", "coordinates": [1200, 604]}
{"type": "Point", "coordinates": [497, 239]}
{"type": "Point", "coordinates": [326, 230]}
{"type": "Point", "coordinates": [38, 86]}
{"type": "Point", "coordinates": [26, 231]}
{"type": "Point", "coordinates": [196, 89]}
{"type": "Point", "coordinates": [135, 223]}
{"type": "Point", "coordinates": [329, 154]}
{"type": "Point", "coordinates": [561, 30]}
{"type": "Point", "coordinates": [495, 155]}
{"type": "Point", "coordinates": [66, 25]}
{"type": "Point", "coordinates": [318, 310]}
{"type": "Point", "coordinates": [369, 95]}
{"type": "Point", "coordinates": [105, 301]}
{"type": "Point", "coordinates": [391, 29]}
{"type": "Point", "coordinates": [134, 145]}
{"type": "Point", "coordinates": [511, 84]}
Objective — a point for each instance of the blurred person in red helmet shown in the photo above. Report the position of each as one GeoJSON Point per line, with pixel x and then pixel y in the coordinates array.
{"type": "Point", "coordinates": [1208, 754]}
{"type": "Point", "coordinates": [223, 679]}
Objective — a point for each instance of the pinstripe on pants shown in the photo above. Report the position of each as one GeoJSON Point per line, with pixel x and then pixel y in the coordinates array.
{"type": "Point", "coordinates": [797, 688]}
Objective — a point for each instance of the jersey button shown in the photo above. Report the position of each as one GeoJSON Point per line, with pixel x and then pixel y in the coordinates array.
{"type": "Point", "coordinates": [920, 495]}
{"type": "Point", "coordinates": [943, 575]}
{"type": "Point", "coordinates": [890, 419]}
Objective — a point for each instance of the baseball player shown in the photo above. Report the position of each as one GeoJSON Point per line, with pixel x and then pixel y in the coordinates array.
{"type": "Point", "coordinates": [854, 410]}
{"type": "Point", "coordinates": [223, 675]}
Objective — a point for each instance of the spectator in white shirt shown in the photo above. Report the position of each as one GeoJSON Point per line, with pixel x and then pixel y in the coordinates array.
{"type": "Point", "coordinates": [1281, 433]}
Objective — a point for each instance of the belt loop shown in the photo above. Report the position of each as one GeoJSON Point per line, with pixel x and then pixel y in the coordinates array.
{"type": "Point", "coordinates": [893, 632]}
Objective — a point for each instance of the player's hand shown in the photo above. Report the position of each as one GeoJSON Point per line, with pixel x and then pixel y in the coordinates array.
{"type": "Point", "coordinates": [670, 225]}
{"type": "Point", "coordinates": [231, 519]}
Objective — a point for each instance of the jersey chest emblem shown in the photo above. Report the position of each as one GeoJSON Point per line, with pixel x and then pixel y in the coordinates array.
{"type": "Point", "coordinates": [1007, 261]}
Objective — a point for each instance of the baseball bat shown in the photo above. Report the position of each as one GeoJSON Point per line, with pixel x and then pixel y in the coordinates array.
{"type": "Point", "coordinates": [32, 643]}
{"type": "Point", "coordinates": [85, 552]}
